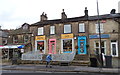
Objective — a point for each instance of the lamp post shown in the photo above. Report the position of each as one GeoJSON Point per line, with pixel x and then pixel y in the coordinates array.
{"type": "Point", "coordinates": [100, 50]}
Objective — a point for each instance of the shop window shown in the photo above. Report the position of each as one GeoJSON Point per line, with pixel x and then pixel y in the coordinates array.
{"type": "Point", "coordinates": [40, 31]}
{"type": "Point", "coordinates": [103, 47]}
{"type": "Point", "coordinates": [97, 28]}
{"type": "Point", "coordinates": [15, 39]}
{"type": "Point", "coordinates": [67, 28]}
{"type": "Point", "coordinates": [40, 46]}
{"type": "Point", "coordinates": [114, 48]}
{"type": "Point", "coordinates": [52, 29]}
{"type": "Point", "coordinates": [81, 27]}
{"type": "Point", "coordinates": [67, 46]}
{"type": "Point", "coordinates": [26, 39]}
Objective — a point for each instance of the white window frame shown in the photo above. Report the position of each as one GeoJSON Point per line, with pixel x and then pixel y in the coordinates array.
{"type": "Point", "coordinates": [40, 30]}
{"type": "Point", "coordinates": [52, 29]}
{"type": "Point", "coordinates": [72, 44]}
{"type": "Point", "coordinates": [116, 43]}
{"type": "Point", "coordinates": [101, 28]}
{"type": "Point", "coordinates": [99, 46]}
{"type": "Point", "coordinates": [67, 28]}
{"type": "Point", "coordinates": [81, 27]}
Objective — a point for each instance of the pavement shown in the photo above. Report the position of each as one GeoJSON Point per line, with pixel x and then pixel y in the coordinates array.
{"type": "Point", "coordinates": [57, 68]}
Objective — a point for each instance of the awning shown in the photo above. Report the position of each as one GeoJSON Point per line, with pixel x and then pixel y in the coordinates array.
{"type": "Point", "coordinates": [12, 46]}
{"type": "Point", "coordinates": [1, 46]}
{"type": "Point", "coordinates": [21, 46]}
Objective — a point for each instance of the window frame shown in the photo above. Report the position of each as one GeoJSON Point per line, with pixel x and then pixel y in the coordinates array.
{"type": "Point", "coordinates": [39, 29]}
{"type": "Point", "coordinates": [99, 47]}
{"type": "Point", "coordinates": [15, 39]}
{"type": "Point", "coordinates": [26, 39]}
{"type": "Point", "coordinates": [79, 28]}
{"type": "Point", "coordinates": [101, 28]}
{"type": "Point", "coordinates": [62, 51]}
{"type": "Point", "coordinates": [70, 28]}
{"type": "Point", "coordinates": [52, 33]}
{"type": "Point", "coordinates": [116, 43]}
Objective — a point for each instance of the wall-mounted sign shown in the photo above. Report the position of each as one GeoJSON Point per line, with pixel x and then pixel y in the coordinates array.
{"type": "Point", "coordinates": [97, 36]}
{"type": "Point", "coordinates": [40, 38]}
{"type": "Point", "coordinates": [66, 36]}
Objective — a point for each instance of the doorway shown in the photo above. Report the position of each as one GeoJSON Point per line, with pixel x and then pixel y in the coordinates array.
{"type": "Point", "coordinates": [82, 45]}
{"type": "Point", "coordinates": [52, 46]}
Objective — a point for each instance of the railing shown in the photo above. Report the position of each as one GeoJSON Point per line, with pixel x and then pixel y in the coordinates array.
{"type": "Point", "coordinates": [64, 57]}
{"type": "Point", "coordinates": [36, 55]}
{"type": "Point", "coordinates": [32, 55]}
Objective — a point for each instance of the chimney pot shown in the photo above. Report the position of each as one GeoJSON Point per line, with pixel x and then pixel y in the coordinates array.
{"type": "Point", "coordinates": [112, 11]}
{"type": "Point", "coordinates": [86, 12]}
{"type": "Point", "coordinates": [63, 15]}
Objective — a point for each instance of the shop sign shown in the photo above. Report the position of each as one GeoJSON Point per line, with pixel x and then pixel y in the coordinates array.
{"type": "Point", "coordinates": [40, 38]}
{"type": "Point", "coordinates": [97, 36]}
{"type": "Point", "coordinates": [66, 36]}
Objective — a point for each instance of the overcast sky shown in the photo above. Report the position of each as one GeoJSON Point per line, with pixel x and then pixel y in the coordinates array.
{"type": "Point", "coordinates": [13, 13]}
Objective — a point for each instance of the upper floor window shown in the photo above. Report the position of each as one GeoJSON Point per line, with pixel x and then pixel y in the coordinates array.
{"type": "Point", "coordinates": [81, 27]}
{"type": "Point", "coordinates": [40, 31]}
{"type": "Point", "coordinates": [97, 28]}
{"type": "Point", "coordinates": [15, 39]}
{"type": "Point", "coordinates": [25, 39]}
{"type": "Point", "coordinates": [67, 28]}
{"type": "Point", "coordinates": [52, 29]}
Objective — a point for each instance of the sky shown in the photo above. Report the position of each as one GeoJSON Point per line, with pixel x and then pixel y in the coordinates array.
{"type": "Point", "coordinates": [14, 13]}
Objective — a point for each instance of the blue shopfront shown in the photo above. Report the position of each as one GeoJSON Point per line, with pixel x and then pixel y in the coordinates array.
{"type": "Point", "coordinates": [82, 45]}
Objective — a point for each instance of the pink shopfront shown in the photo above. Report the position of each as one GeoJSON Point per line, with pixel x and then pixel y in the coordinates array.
{"type": "Point", "coordinates": [42, 46]}
{"type": "Point", "coordinates": [52, 46]}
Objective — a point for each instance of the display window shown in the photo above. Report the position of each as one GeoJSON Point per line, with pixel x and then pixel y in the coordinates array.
{"type": "Point", "coordinates": [40, 46]}
{"type": "Point", "coordinates": [67, 46]}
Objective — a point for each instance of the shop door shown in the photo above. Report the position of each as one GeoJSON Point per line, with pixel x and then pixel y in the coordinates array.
{"type": "Point", "coordinates": [52, 46]}
{"type": "Point", "coordinates": [82, 45]}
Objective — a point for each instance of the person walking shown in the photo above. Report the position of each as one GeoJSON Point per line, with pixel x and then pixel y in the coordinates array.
{"type": "Point", "coordinates": [48, 61]}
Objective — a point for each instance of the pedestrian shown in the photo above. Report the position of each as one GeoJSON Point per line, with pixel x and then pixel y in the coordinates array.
{"type": "Point", "coordinates": [48, 61]}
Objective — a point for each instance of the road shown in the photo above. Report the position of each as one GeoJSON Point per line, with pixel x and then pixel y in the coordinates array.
{"type": "Point", "coordinates": [55, 70]}
{"type": "Point", "coordinates": [6, 72]}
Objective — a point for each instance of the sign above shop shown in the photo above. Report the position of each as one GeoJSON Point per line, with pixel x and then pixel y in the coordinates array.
{"type": "Point", "coordinates": [66, 36]}
{"type": "Point", "coordinates": [40, 38]}
{"type": "Point", "coordinates": [97, 36]}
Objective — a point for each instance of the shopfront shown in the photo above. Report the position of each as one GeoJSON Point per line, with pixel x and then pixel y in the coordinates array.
{"type": "Point", "coordinates": [67, 43]}
{"type": "Point", "coordinates": [40, 44]}
{"type": "Point", "coordinates": [82, 45]}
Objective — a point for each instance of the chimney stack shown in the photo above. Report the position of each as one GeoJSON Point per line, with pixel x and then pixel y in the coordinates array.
{"type": "Point", "coordinates": [112, 11]}
{"type": "Point", "coordinates": [86, 12]}
{"type": "Point", "coordinates": [63, 15]}
{"type": "Point", "coordinates": [43, 17]}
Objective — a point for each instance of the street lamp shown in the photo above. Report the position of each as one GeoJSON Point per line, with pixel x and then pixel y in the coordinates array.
{"type": "Point", "coordinates": [100, 52]}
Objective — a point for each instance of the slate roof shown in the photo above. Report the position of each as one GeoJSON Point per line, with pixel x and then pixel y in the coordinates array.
{"type": "Point", "coordinates": [76, 19]}
{"type": "Point", "coordinates": [19, 31]}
